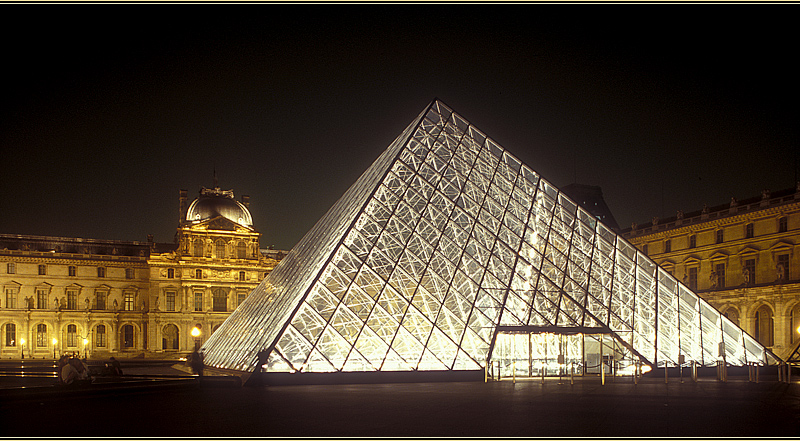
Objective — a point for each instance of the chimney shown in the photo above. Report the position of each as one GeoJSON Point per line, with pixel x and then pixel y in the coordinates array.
{"type": "Point", "coordinates": [184, 196]}
{"type": "Point", "coordinates": [246, 201]}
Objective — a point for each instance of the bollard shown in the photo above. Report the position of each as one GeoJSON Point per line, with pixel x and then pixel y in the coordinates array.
{"type": "Point", "coordinates": [543, 368]}
{"type": "Point", "coordinates": [514, 372]}
{"type": "Point", "coordinates": [572, 373]}
{"type": "Point", "coordinates": [666, 373]}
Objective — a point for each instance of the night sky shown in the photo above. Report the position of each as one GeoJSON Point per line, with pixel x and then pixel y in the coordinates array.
{"type": "Point", "coordinates": [107, 111]}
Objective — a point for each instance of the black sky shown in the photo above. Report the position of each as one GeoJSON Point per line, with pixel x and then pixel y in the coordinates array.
{"type": "Point", "coordinates": [109, 110]}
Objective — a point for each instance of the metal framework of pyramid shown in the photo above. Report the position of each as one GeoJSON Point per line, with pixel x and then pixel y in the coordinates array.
{"type": "Point", "coordinates": [445, 240]}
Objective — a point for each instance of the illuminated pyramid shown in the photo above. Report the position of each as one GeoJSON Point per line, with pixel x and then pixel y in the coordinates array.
{"type": "Point", "coordinates": [446, 242]}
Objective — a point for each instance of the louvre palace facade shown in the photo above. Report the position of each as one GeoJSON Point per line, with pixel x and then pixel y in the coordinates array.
{"type": "Point", "coordinates": [131, 299]}
{"type": "Point", "coordinates": [740, 257]}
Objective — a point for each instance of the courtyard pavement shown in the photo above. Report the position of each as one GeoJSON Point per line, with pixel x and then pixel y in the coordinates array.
{"type": "Point", "coordinates": [181, 407]}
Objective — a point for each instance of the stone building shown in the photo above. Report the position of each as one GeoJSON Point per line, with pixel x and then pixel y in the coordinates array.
{"type": "Point", "coordinates": [740, 257]}
{"type": "Point", "coordinates": [127, 299]}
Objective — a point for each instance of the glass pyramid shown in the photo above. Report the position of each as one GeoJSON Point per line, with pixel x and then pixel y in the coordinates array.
{"type": "Point", "coordinates": [445, 240]}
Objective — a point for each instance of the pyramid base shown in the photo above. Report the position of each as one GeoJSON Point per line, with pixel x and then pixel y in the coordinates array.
{"type": "Point", "coordinates": [284, 379]}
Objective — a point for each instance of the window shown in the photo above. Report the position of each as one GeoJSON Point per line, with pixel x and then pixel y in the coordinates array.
{"type": "Point", "coordinates": [128, 301]}
{"type": "Point", "coordinates": [130, 273]}
{"type": "Point", "coordinates": [241, 250]}
{"type": "Point", "coordinates": [198, 301]}
{"type": "Point", "coordinates": [732, 315]}
{"type": "Point", "coordinates": [199, 251]}
{"type": "Point", "coordinates": [72, 336]}
{"type": "Point", "coordinates": [783, 225]}
{"type": "Point", "coordinates": [719, 275]}
{"type": "Point", "coordinates": [241, 276]}
{"type": "Point", "coordinates": [749, 272]}
{"type": "Point", "coordinates": [100, 336]}
{"type": "Point", "coordinates": [220, 300]}
{"type": "Point", "coordinates": [764, 325]}
{"type": "Point", "coordinates": [198, 274]}
{"type": "Point", "coordinates": [693, 278]}
{"type": "Point", "coordinates": [127, 336]}
{"type": "Point", "coordinates": [693, 241]}
{"type": "Point", "coordinates": [100, 300]}
{"type": "Point", "coordinates": [783, 267]}
{"type": "Point", "coordinates": [667, 246]}
{"type": "Point", "coordinates": [11, 298]}
{"type": "Point", "coordinates": [41, 335]}
{"type": "Point", "coordinates": [720, 236]}
{"type": "Point", "coordinates": [101, 271]}
{"type": "Point", "coordinates": [240, 298]}
{"type": "Point", "coordinates": [11, 334]}
{"type": "Point", "coordinates": [11, 268]}
{"type": "Point", "coordinates": [42, 270]}
{"type": "Point", "coordinates": [219, 249]}
{"type": "Point", "coordinates": [170, 273]}
{"type": "Point", "coordinates": [72, 299]}
{"type": "Point", "coordinates": [41, 299]}
{"type": "Point", "coordinates": [71, 270]}
{"type": "Point", "coordinates": [170, 295]}
{"type": "Point", "coordinates": [645, 249]}
{"type": "Point", "coordinates": [794, 318]}
{"type": "Point", "coordinates": [748, 231]}
{"type": "Point", "coordinates": [169, 337]}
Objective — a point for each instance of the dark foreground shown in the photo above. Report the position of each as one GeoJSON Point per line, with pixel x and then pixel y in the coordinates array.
{"type": "Point", "coordinates": [189, 408]}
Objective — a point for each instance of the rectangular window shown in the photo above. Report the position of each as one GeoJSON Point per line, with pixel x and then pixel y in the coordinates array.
{"type": "Point", "coordinates": [101, 271]}
{"type": "Point", "coordinates": [101, 300]}
{"type": "Point", "coordinates": [240, 298]}
{"type": "Point", "coordinates": [241, 276]}
{"type": "Point", "coordinates": [41, 299]}
{"type": "Point", "coordinates": [720, 236]}
{"type": "Point", "coordinates": [127, 301]}
{"type": "Point", "coordinates": [72, 270]}
{"type": "Point", "coordinates": [170, 300]}
{"type": "Point", "coordinates": [170, 273]}
{"type": "Point", "coordinates": [750, 272]}
{"type": "Point", "coordinates": [100, 336]}
{"type": "Point", "coordinates": [72, 299]}
{"type": "Point", "coordinates": [72, 336]}
{"type": "Point", "coordinates": [693, 241]}
{"type": "Point", "coordinates": [11, 298]}
{"type": "Point", "coordinates": [783, 267]}
{"type": "Point", "coordinates": [42, 270]}
{"type": "Point", "coordinates": [129, 273]}
{"type": "Point", "coordinates": [693, 278]}
{"type": "Point", "coordinates": [41, 336]}
{"type": "Point", "coordinates": [198, 301]}
{"type": "Point", "coordinates": [667, 246]}
{"type": "Point", "coordinates": [748, 231]}
{"type": "Point", "coordinates": [719, 275]}
{"type": "Point", "coordinates": [198, 274]}
{"type": "Point", "coordinates": [783, 225]}
{"type": "Point", "coordinates": [127, 336]}
{"type": "Point", "coordinates": [11, 268]}
{"type": "Point", "coordinates": [11, 334]}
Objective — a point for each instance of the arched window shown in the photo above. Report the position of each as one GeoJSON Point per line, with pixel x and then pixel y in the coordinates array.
{"type": "Point", "coordinates": [220, 300]}
{"type": "Point", "coordinates": [41, 335]}
{"type": "Point", "coordinates": [764, 325]}
{"type": "Point", "coordinates": [127, 337]}
{"type": "Point", "coordinates": [169, 338]}
{"type": "Point", "coordinates": [72, 336]}
{"type": "Point", "coordinates": [794, 318]}
{"type": "Point", "coordinates": [100, 336]}
{"type": "Point", "coordinates": [732, 315]}
{"type": "Point", "coordinates": [219, 249]}
{"type": "Point", "coordinates": [241, 250]}
{"type": "Point", "coordinates": [199, 247]}
{"type": "Point", "coordinates": [11, 334]}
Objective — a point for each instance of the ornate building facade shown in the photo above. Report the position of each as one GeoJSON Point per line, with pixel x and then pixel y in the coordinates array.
{"type": "Point", "coordinates": [128, 299]}
{"type": "Point", "coordinates": [741, 257]}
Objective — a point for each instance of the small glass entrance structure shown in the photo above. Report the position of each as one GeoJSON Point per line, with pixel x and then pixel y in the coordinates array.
{"type": "Point", "coordinates": [535, 353]}
{"type": "Point", "coordinates": [443, 254]}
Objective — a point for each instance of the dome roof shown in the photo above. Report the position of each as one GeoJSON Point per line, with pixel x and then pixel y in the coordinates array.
{"type": "Point", "coordinates": [215, 202]}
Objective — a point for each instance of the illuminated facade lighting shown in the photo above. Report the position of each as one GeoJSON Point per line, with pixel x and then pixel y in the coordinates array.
{"type": "Point", "coordinates": [449, 253]}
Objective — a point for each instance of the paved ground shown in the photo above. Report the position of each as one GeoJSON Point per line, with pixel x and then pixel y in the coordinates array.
{"type": "Point", "coordinates": [497, 409]}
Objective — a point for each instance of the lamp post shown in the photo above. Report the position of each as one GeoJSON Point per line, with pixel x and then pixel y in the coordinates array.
{"type": "Point", "coordinates": [55, 342]}
{"type": "Point", "coordinates": [196, 335]}
{"type": "Point", "coordinates": [85, 348]}
{"type": "Point", "coordinates": [22, 342]}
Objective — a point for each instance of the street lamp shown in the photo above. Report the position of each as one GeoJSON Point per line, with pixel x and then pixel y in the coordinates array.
{"type": "Point", "coordinates": [22, 342]}
{"type": "Point", "coordinates": [85, 348]}
{"type": "Point", "coordinates": [196, 335]}
{"type": "Point", "coordinates": [55, 342]}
